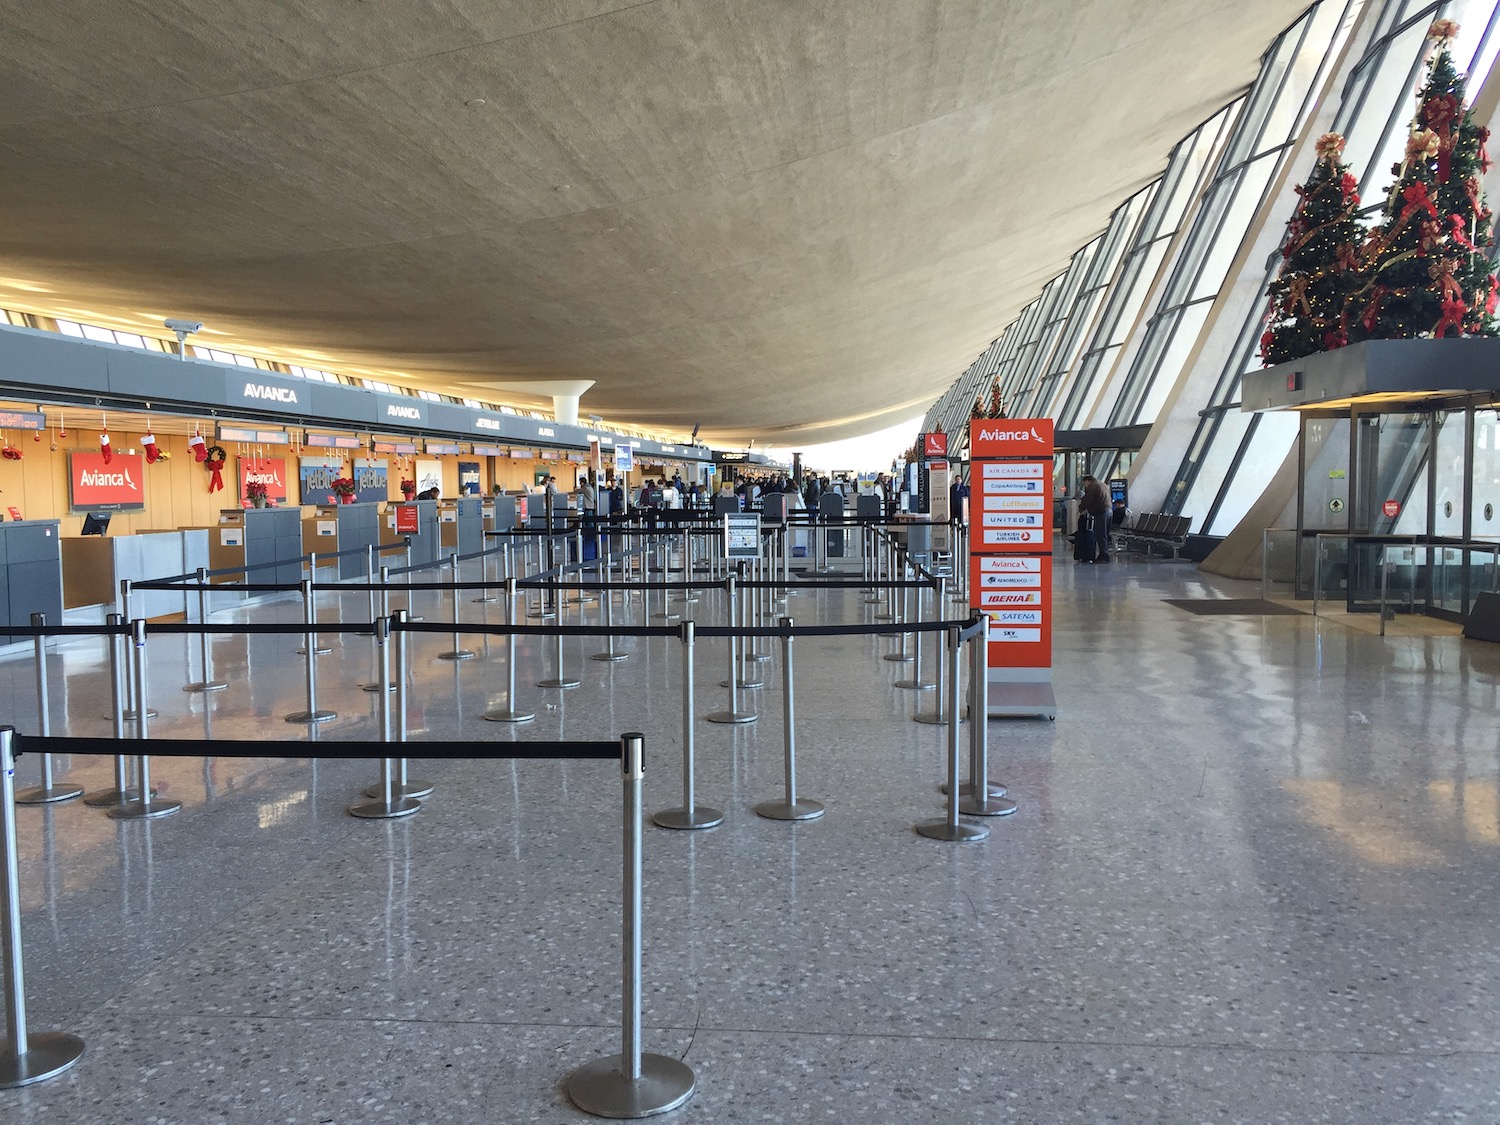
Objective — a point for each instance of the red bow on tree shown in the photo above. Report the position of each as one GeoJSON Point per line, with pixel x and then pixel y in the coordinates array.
{"type": "Point", "coordinates": [1458, 234]}
{"type": "Point", "coordinates": [1441, 112]}
{"type": "Point", "coordinates": [1416, 200]}
{"type": "Point", "coordinates": [1372, 313]}
{"type": "Point", "coordinates": [1336, 338]}
{"type": "Point", "coordinates": [1494, 297]}
{"type": "Point", "coordinates": [1453, 316]}
{"type": "Point", "coordinates": [1350, 188]}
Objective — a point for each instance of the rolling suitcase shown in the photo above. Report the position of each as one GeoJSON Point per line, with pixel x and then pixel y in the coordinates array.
{"type": "Point", "coordinates": [1085, 546]}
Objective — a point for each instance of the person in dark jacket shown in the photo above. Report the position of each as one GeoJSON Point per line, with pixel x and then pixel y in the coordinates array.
{"type": "Point", "coordinates": [1095, 503]}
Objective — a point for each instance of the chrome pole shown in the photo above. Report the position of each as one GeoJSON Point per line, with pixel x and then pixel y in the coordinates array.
{"type": "Point", "coordinates": [632, 1083]}
{"type": "Point", "coordinates": [122, 791]}
{"type": "Point", "coordinates": [389, 803]}
{"type": "Point", "coordinates": [992, 802]}
{"type": "Point", "coordinates": [790, 807]}
{"type": "Point", "coordinates": [26, 1057]}
{"type": "Point", "coordinates": [691, 815]}
{"type": "Point", "coordinates": [458, 652]}
{"type": "Point", "coordinates": [46, 793]}
{"type": "Point", "coordinates": [734, 714]}
{"type": "Point", "coordinates": [951, 828]}
{"type": "Point", "coordinates": [205, 660]}
{"type": "Point", "coordinates": [508, 713]}
{"type": "Point", "coordinates": [144, 806]}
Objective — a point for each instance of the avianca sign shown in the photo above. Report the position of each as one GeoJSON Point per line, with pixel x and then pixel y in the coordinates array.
{"type": "Point", "coordinates": [94, 486]}
{"type": "Point", "coordinates": [269, 471]}
{"type": "Point", "coordinates": [266, 392]}
{"type": "Point", "coordinates": [405, 413]}
{"type": "Point", "coordinates": [1020, 438]}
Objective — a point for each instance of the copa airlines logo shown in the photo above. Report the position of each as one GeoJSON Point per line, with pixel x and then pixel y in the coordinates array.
{"type": "Point", "coordinates": [269, 393]}
{"type": "Point", "coordinates": [92, 478]}
{"type": "Point", "coordinates": [392, 410]}
{"type": "Point", "coordinates": [1010, 435]}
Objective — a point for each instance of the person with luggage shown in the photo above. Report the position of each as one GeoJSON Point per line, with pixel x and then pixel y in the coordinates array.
{"type": "Point", "coordinates": [1091, 544]}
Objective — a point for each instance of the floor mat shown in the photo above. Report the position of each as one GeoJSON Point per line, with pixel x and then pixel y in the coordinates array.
{"type": "Point", "coordinates": [1219, 607]}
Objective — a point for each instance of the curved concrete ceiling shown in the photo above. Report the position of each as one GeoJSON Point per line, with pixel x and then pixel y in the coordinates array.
{"type": "Point", "coordinates": [788, 221]}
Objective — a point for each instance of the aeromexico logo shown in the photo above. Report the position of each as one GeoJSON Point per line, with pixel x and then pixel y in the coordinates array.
{"type": "Point", "coordinates": [94, 478]}
{"type": "Point", "coordinates": [998, 434]}
{"type": "Point", "coordinates": [268, 393]}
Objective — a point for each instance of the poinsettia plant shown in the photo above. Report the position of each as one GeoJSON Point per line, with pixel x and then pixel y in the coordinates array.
{"type": "Point", "coordinates": [344, 486]}
{"type": "Point", "coordinates": [255, 490]}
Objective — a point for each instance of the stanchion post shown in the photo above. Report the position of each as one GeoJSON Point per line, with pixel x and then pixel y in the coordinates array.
{"type": "Point", "coordinates": [916, 683]}
{"type": "Point", "coordinates": [609, 653]}
{"type": "Point", "coordinates": [310, 610]}
{"type": "Point", "coordinates": [313, 714]}
{"type": "Point", "coordinates": [691, 815]}
{"type": "Point", "coordinates": [791, 807]}
{"type": "Point", "coordinates": [376, 683]}
{"type": "Point", "coordinates": [205, 659]}
{"type": "Point", "coordinates": [509, 713]}
{"type": "Point", "coordinates": [458, 652]}
{"type": "Point", "coordinates": [982, 797]}
{"type": "Point", "coordinates": [145, 806]}
{"type": "Point", "coordinates": [389, 804]}
{"type": "Point", "coordinates": [951, 828]}
{"type": "Point", "coordinates": [47, 793]}
{"type": "Point", "coordinates": [899, 616]}
{"type": "Point", "coordinates": [734, 714]}
{"type": "Point", "coordinates": [405, 786]}
{"type": "Point", "coordinates": [129, 713]}
{"type": "Point", "coordinates": [122, 791]}
{"type": "Point", "coordinates": [26, 1056]}
{"type": "Point", "coordinates": [633, 1083]}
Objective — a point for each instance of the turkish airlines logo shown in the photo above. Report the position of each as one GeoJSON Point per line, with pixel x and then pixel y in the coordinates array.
{"type": "Point", "coordinates": [93, 479]}
{"type": "Point", "coordinates": [273, 394]}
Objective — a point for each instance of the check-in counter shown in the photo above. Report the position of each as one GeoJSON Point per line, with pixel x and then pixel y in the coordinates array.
{"type": "Point", "coordinates": [416, 520]}
{"type": "Point", "coordinates": [267, 539]}
{"type": "Point", "coordinates": [31, 578]}
{"type": "Point", "coordinates": [343, 527]}
{"type": "Point", "coordinates": [93, 566]}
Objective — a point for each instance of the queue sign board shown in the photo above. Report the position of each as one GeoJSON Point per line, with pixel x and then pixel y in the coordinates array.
{"type": "Point", "coordinates": [742, 535]}
{"type": "Point", "coordinates": [1010, 559]}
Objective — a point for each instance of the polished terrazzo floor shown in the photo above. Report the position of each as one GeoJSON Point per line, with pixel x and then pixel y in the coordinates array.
{"type": "Point", "coordinates": [1252, 879]}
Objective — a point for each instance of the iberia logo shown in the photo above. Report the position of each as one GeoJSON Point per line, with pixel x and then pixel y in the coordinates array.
{"type": "Point", "coordinates": [97, 486]}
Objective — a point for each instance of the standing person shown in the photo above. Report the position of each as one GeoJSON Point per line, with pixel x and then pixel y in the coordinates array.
{"type": "Point", "coordinates": [1095, 503]}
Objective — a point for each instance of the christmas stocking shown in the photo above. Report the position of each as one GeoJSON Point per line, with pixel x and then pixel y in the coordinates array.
{"type": "Point", "coordinates": [148, 444]}
{"type": "Point", "coordinates": [104, 448]}
{"type": "Point", "coordinates": [199, 448]}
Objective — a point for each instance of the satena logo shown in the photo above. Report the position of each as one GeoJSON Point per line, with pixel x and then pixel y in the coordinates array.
{"type": "Point", "coordinates": [270, 393]}
{"type": "Point", "coordinates": [392, 410]}
{"type": "Point", "coordinates": [1010, 435]}
{"type": "Point", "coordinates": [94, 479]}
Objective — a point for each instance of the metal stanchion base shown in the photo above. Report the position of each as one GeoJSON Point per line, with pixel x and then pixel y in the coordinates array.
{"type": "Point", "coordinates": [959, 834]}
{"type": "Point", "coordinates": [900, 657]}
{"type": "Point", "coordinates": [599, 1087]}
{"type": "Point", "coordinates": [379, 810]}
{"type": "Point", "coordinates": [312, 717]}
{"type": "Point", "coordinates": [508, 716]}
{"type": "Point", "coordinates": [113, 797]}
{"type": "Point", "coordinates": [758, 657]}
{"type": "Point", "coordinates": [986, 806]}
{"type": "Point", "coordinates": [667, 616]}
{"type": "Point", "coordinates": [558, 682]}
{"type": "Point", "coordinates": [374, 685]}
{"type": "Point", "coordinates": [743, 685]}
{"type": "Point", "coordinates": [790, 810]}
{"type": "Point", "coordinates": [457, 654]}
{"type": "Point", "coordinates": [481, 600]}
{"type": "Point", "coordinates": [206, 685]}
{"type": "Point", "coordinates": [967, 788]}
{"type": "Point", "coordinates": [130, 716]}
{"type": "Point", "coordinates": [48, 1053]}
{"type": "Point", "coordinates": [884, 616]}
{"type": "Point", "coordinates": [317, 651]}
{"type": "Point", "coordinates": [140, 810]}
{"type": "Point", "coordinates": [874, 600]}
{"type": "Point", "coordinates": [701, 816]}
{"type": "Point", "coordinates": [914, 685]}
{"type": "Point", "coordinates": [48, 796]}
{"type": "Point", "coordinates": [412, 788]}
{"type": "Point", "coordinates": [609, 656]}
{"type": "Point", "coordinates": [731, 717]}
{"type": "Point", "coordinates": [543, 614]}
{"type": "Point", "coordinates": [936, 720]}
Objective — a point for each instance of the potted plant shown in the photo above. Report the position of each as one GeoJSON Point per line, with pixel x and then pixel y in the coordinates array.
{"type": "Point", "coordinates": [255, 492]}
{"type": "Point", "coordinates": [344, 488]}
{"type": "Point", "coordinates": [408, 487]}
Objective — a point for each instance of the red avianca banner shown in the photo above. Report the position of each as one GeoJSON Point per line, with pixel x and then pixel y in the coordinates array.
{"type": "Point", "coordinates": [94, 486]}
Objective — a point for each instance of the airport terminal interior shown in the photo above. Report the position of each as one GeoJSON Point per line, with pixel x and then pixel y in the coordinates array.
{"type": "Point", "coordinates": [896, 796]}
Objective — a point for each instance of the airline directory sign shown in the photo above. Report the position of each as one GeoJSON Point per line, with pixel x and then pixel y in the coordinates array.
{"type": "Point", "coordinates": [1010, 551]}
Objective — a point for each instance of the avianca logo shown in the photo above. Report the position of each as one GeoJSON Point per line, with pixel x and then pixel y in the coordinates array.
{"type": "Point", "coordinates": [274, 394]}
{"type": "Point", "coordinates": [263, 478]}
{"type": "Point", "coordinates": [91, 478]}
{"type": "Point", "coordinates": [1010, 435]}
{"type": "Point", "coordinates": [394, 411]}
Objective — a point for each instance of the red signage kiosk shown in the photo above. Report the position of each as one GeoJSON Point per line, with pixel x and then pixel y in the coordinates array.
{"type": "Point", "coordinates": [1010, 559]}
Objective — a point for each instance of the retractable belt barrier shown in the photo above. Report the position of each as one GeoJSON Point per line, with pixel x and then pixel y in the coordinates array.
{"type": "Point", "coordinates": [631, 1084]}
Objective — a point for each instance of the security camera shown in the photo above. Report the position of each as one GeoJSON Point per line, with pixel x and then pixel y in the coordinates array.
{"type": "Point", "coordinates": [184, 325]}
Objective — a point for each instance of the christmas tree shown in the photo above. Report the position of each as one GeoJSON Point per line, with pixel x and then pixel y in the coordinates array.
{"type": "Point", "coordinates": [1427, 269]}
{"type": "Point", "coordinates": [1321, 257]}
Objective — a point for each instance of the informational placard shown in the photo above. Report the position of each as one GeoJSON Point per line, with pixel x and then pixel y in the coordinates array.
{"type": "Point", "coordinates": [938, 479]}
{"type": "Point", "coordinates": [406, 519]}
{"type": "Point", "coordinates": [1010, 559]}
{"type": "Point", "coordinates": [624, 458]}
{"type": "Point", "coordinates": [742, 535]}
{"type": "Point", "coordinates": [523, 510]}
